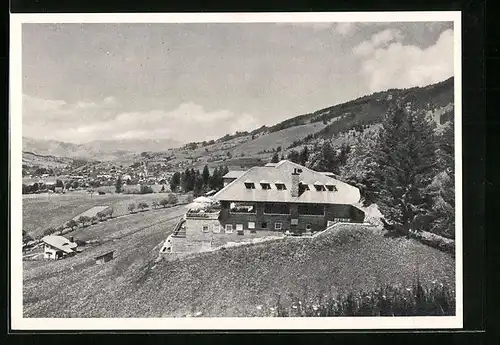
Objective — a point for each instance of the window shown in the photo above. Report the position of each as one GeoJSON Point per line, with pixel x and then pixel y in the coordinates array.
{"type": "Point", "coordinates": [303, 187]}
{"type": "Point", "coordinates": [250, 185]}
{"type": "Point", "coordinates": [280, 186]}
{"type": "Point", "coordinates": [308, 227]}
{"type": "Point", "coordinates": [311, 210]}
{"type": "Point", "coordinates": [342, 220]}
{"type": "Point", "coordinates": [263, 225]}
{"type": "Point", "coordinates": [319, 187]}
{"type": "Point", "coordinates": [276, 208]}
{"type": "Point", "coordinates": [251, 225]}
{"type": "Point", "coordinates": [278, 226]}
{"type": "Point", "coordinates": [239, 227]}
{"type": "Point", "coordinates": [331, 187]}
{"type": "Point", "coordinates": [229, 228]}
{"type": "Point", "coordinates": [265, 185]}
{"type": "Point", "coordinates": [205, 228]}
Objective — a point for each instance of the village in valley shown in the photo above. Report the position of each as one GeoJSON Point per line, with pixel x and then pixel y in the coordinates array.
{"type": "Point", "coordinates": [310, 216]}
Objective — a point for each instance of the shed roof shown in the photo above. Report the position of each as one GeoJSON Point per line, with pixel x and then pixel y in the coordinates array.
{"type": "Point", "coordinates": [236, 191]}
{"type": "Point", "coordinates": [60, 242]}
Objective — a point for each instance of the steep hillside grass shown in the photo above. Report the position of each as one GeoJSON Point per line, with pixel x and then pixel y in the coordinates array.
{"type": "Point", "coordinates": [283, 138]}
{"type": "Point", "coordinates": [242, 281]}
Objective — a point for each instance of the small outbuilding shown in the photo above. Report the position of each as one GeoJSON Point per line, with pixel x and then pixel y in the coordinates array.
{"type": "Point", "coordinates": [103, 258]}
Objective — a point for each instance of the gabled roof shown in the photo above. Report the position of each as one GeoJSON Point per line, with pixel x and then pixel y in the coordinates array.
{"type": "Point", "coordinates": [233, 174]}
{"type": "Point", "coordinates": [236, 191]}
{"type": "Point", "coordinates": [59, 242]}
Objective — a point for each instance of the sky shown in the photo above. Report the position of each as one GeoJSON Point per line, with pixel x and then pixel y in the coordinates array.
{"type": "Point", "coordinates": [195, 82]}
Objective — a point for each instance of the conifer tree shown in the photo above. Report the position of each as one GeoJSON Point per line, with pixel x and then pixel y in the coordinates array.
{"type": "Point", "coordinates": [304, 156]}
{"type": "Point", "coordinates": [442, 188]}
{"type": "Point", "coordinates": [361, 168]}
{"type": "Point", "coordinates": [212, 181]}
{"type": "Point", "coordinates": [294, 156]}
{"type": "Point", "coordinates": [206, 175]}
{"type": "Point", "coordinates": [275, 158]}
{"type": "Point", "coordinates": [407, 159]}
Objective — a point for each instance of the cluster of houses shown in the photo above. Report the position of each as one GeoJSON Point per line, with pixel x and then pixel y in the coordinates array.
{"type": "Point", "coordinates": [95, 176]}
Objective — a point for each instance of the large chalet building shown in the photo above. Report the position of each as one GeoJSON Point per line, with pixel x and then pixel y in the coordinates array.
{"type": "Point", "coordinates": [262, 201]}
{"type": "Point", "coordinates": [286, 196]}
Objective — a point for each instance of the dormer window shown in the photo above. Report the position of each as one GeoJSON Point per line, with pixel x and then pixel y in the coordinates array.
{"type": "Point", "coordinates": [319, 187]}
{"type": "Point", "coordinates": [303, 187]}
{"type": "Point", "coordinates": [331, 187]}
{"type": "Point", "coordinates": [280, 185]}
{"type": "Point", "coordinates": [249, 185]}
{"type": "Point", "coordinates": [265, 185]}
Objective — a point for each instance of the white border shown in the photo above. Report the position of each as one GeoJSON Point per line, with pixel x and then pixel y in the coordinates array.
{"type": "Point", "coordinates": [335, 323]}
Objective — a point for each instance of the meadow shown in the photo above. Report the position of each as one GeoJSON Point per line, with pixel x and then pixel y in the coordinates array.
{"type": "Point", "coordinates": [41, 211]}
{"type": "Point", "coordinates": [240, 281]}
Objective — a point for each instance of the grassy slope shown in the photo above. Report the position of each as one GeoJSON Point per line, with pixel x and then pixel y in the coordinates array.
{"type": "Point", "coordinates": [40, 213]}
{"type": "Point", "coordinates": [226, 283]}
{"type": "Point", "coordinates": [283, 138]}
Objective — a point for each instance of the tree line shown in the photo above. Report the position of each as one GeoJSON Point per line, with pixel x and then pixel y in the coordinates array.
{"type": "Point", "coordinates": [406, 168]}
{"type": "Point", "coordinates": [198, 182]}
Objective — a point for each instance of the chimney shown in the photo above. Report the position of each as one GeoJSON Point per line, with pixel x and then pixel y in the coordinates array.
{"type": "Point", "coordinates": [71, 239]}
{"type": "Point", "coordinates": [294, 191]}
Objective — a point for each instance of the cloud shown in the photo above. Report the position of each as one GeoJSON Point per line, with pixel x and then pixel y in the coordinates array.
{"type": "Point", "coordinates": [377, 40]}
{"type": "Point", "coordinates": [387, 63]}
{"type": "Point", "coordinates": [345, 28]}
{"type": "Point", "coordinates": [86, 121]}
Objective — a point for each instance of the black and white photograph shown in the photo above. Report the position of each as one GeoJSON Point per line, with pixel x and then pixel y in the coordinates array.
{"type": "Point", "coordinates": [244, 171]}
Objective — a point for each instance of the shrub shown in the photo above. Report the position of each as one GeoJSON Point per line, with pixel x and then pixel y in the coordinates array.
{"type": "Point", "coordinates": [83, 220]}
{"type": "Point", "coordinates": [48, 231]}
{"type": "Point", "coordinates": [26, 237]}
{"type": "Point", "coordinates": [439, 242]}
{"type": "Point", "coordinates": [172, 199]}
{"type": "Point", "coordinates": [146, 190]}
{"type": "Point", "coordinates": [72, 224]}
{"type": "Point", "coordinates": [389, 300]}
{"type": "Point", "coordinates": [143, 205]}
{"type": "Point", "coordinates": [131, 208]}
{"type": "Point", "coordinates": [164, 202]}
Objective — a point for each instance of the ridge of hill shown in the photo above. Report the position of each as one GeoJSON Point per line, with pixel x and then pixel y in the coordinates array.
{"type": "Point", "coordinates": [246, 149]}
{"type": "Point", "coordinates": [108, 150]}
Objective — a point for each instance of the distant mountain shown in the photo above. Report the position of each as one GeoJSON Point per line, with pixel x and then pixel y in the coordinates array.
{"type": "Point", "coordinates": [96, 150]}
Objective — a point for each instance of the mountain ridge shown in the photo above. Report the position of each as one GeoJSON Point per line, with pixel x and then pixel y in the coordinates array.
{"type": "Point", "coordinates": [255, 148]}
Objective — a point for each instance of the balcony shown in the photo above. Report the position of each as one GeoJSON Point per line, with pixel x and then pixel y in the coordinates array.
{"type": "Point", "coordinates": [202, 214]}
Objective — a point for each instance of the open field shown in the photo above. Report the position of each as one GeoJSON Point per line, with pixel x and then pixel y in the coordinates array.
{"type": "Point", "coordinates": [230, 282]}
{"type": "Point", "coordinates": [41, 211]}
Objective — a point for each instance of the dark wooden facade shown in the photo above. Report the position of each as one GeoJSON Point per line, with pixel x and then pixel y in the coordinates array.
{"type": "Point", "coordinates": [290, 219]}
